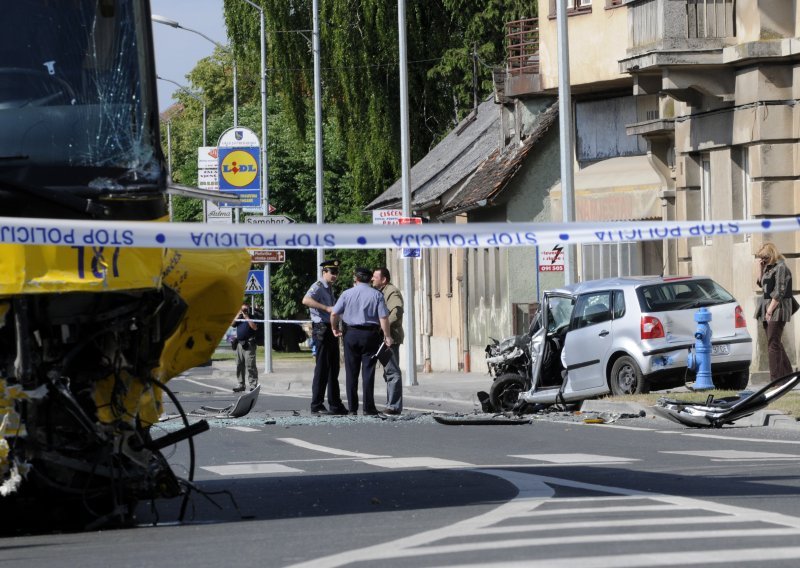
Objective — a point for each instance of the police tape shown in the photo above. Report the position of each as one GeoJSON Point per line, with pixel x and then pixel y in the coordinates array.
{"type": "Point", "coordinates": [138, 234]}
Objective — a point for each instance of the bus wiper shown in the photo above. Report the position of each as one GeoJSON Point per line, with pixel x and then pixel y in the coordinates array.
{"type": "Point", "coordinates": [18, 157]}
{"type": "Point", "coordinates": [65, 199]}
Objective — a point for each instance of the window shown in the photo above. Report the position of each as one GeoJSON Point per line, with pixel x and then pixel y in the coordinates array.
{"type": "Point", "coordinates": [619, 304]}
{"type": "Point", "coordinates": [572, 6]}
{"type": "Point", "coordinates": [591, 309]}
{"type": "Point", "coordinates": [705, 194]}
{"type": "Point", "coordinates": [741, 188]}
{"type": "Point", "coordinates": [609, 260]}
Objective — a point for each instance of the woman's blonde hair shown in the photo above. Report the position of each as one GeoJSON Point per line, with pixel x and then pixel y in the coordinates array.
{"type": "Point", "coordinates": [769, 252]}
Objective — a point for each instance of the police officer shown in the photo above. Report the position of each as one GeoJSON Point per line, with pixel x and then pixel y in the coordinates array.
{"type": "Point", "coordinates": [246, 347]}
{"type": "Point", "coordinates": [320, 299]}
{"type": "Point", "coordinates": [364, 312]}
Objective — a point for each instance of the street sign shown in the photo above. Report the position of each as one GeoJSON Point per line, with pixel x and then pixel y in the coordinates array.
{"type": "Point", "coordinates": [386, 216]}
{"type": "Point", "coordinates": [237, 137]}
{"type": "Point", "coordinates": [269, 220]}
{"type": "Point", "coordinates": [255, 282]}
{"type": "Point", "coordinates": [551, 260]}
{"type": "Point", "coordinates": [410, 252]}
{"type": "Point", "coordinates": [215, 214]}
{"type": "Point", "coordinates": [267, 255]}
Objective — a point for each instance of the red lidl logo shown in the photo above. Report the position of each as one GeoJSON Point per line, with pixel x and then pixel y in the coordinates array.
{"type": "Point", "coordinates": [239, 168]}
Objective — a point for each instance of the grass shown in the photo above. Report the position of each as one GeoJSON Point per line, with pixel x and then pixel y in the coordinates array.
{"type": "Point", "coordinates": [789, 403]}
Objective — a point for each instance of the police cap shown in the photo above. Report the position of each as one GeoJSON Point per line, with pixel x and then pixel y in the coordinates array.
{"type": "Point", "coordinates": [363, 274]}
{"type": "Point", "coordinates": [329, 264]}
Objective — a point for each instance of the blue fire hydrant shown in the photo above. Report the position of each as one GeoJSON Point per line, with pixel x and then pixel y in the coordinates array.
{"type": "Point", "coordinates": [700, 360]}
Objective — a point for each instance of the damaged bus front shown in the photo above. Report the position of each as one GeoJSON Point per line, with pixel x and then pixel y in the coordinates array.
{"type": "Point", "coordinates": [90, 331]}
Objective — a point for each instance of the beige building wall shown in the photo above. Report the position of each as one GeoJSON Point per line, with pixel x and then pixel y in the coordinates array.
{"type": "Point", "coordinates": [597, 40]}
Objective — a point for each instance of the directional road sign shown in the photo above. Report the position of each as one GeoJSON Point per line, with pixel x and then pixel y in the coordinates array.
{"type": "Point", "coordinates": [255, 282]}
{"type": "Point", "coordinates": [267, 255]}
{"type": "Point", "coordinates": [269, 220]}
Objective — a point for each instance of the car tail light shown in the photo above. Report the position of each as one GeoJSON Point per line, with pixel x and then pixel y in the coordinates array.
{"type": "Point", "coordinates": [651, 328]}
{"type": "Point", "coordinates": [739, 317]}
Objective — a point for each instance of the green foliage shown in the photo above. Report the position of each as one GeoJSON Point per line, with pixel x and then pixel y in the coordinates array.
{"type": "Point", "coordinates": [361, 106]}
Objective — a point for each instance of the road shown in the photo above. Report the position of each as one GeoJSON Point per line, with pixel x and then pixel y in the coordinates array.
{"type": "Point", "coordinates": [282, 488]}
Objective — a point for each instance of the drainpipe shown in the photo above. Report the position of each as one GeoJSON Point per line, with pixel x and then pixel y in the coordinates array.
{"type": "Point", "coordinates": [465, 310]}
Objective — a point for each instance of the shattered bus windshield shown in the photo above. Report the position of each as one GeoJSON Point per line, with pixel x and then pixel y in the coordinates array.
{"type": "Point", "coordinates": [76, 105]}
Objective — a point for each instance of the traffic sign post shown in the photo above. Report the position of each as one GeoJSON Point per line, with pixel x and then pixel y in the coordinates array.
{"type": "Point", "coordinates": [255, 282]}
{"type": "Point", "coordinates": [269, 220]}
{"type": "Point", "coordinates": [267, 255]}
{"type": "Point", "coordinates": [243, 138]}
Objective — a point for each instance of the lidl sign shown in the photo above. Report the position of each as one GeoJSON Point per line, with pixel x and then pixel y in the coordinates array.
{"type": "Point", "coordinates": [240, 173]}
{"type": "Point", "coordinates": [239, 168]}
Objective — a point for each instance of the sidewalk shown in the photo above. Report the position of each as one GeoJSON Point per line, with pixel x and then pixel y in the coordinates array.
{"type": "Point", "coordinates": [295, 376]}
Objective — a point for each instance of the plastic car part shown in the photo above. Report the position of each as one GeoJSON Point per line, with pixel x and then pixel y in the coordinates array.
{"type": "Point", "coordinates": [716, 413]}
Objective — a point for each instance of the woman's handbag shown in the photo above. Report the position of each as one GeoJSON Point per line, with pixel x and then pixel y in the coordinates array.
{"type": "Point", "coordinates": [795, 305]}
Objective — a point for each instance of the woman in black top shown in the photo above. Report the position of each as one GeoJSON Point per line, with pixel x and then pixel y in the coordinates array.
{"type": "Point", "coordinates": [775, 307]}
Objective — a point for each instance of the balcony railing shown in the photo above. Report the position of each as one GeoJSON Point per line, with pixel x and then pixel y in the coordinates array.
{"type": "Point", "coordinates": [522, 52]}
{"type": "Point", "coordinates": [652, 21]}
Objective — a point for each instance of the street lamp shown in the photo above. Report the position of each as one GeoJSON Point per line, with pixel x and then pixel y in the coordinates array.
{"type": "Point", "coordinates": [265, 189]}
{"type": "Point", "coordinates": [173, 24]}
{"type": "Point", "coordinates": [199, 99]}
{"type": "Point", "coordinates": [202, 101]}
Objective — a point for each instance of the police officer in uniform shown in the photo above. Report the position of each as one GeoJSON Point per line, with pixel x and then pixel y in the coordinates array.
{"type": "Point", "coordinates": [364, 312]}
{"type": "Point", "coordinates": [320, 299]}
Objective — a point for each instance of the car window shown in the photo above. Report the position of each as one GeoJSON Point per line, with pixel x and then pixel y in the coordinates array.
{"type": "Point", "coordinates": [619, 304]}
{"type": "Point", "coordinates": [591, 309]}
{"type": "Point", "coordinates": [559, 312]}
{"type": "Point", "coordinates": [682, 295]}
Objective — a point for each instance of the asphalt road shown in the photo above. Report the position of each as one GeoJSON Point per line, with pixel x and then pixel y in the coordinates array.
{"type": "Point", "coordinates": [283, 488]}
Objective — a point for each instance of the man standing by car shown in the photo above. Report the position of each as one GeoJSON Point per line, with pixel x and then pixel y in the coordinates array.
{"type": "Point", "coordinates": [245, 348]}
{"type": "Point", "coordinates": [363, 310]}
{"type": "Point", "coordinates": [381, 280]}
{"type": "Point", "coordinates": [320, 299]}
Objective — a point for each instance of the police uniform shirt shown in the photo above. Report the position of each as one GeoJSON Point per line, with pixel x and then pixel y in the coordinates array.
{"type": "Point", "coordinates": [322, 292]}
{"type": "Point", "coordinates": [361, 305]}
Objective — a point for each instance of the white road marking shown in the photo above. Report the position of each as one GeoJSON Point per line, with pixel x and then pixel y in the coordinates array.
{"type": "Point", "coordinates": [621, 509]}
{"type": "Point", "coordinates": [725, 455]}
{"type": "Point", "coordinates": [703, 520]}
{"type": "Point", "coordinates": [326, 449]}
{"type": "Point", "coordinates": [250, 469]}
{"type": "Point", "coordinates": [573, 458]}
{"type": "Point", "coordinates": [756, 440]}
{"type": "Point", "coordinates": [243, 428]}
{"type": "Point", "coordinates": [206, 385]}
{"type": "Point", "coordinates": [730, 556]}
{"type": "Point", "coordinates": [409, 463]}
{"type": "Point", "coordinates": [535, 490]}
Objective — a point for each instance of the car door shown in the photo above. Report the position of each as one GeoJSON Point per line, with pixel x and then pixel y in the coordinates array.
{"type": "Point", "coordinates": [588, 341]}
{"type": "Point", "coordinates": [547, 339]}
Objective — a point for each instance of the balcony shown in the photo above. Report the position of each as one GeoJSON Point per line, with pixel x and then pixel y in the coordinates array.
{"type": "Point", "coordinates": [678, 32]}
{"type": "Point", "coordinates": [522, 57]}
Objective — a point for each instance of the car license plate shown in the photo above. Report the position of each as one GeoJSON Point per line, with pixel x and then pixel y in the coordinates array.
{"type": "Point", "coordinates": [724, 349]}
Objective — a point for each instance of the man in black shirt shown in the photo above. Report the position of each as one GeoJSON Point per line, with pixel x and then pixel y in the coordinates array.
{"type": "Point", "coordinates": [245, 348]}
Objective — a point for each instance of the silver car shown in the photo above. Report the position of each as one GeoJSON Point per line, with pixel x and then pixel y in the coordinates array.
{"type": "Point", "coordinates": [632, 335]}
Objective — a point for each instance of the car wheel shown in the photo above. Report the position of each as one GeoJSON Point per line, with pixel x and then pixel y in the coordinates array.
{"type": "Point", "coordinates": [626, 377]}
{"type": "Point", "coordinates": [505, 392]}
{"type": "Point", "coordinates": [732, 381]}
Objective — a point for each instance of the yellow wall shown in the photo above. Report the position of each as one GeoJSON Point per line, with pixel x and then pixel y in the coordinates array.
{"type": "Point", "coordinates": [597, 40]}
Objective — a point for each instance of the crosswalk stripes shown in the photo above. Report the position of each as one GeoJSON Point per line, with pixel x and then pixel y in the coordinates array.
{"type": "Point", "coordinates": [735, 455]}
{"type": "Point", "coordinates": [627, 528]}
